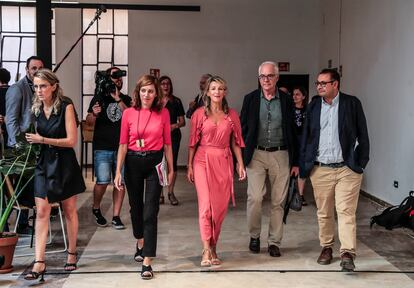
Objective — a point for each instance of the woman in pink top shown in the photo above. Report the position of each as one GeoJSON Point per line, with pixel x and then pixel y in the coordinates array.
{"type": "Point", "coordinates": [145, 138]}
{"type": "Point", "coordinates": [214, 129]}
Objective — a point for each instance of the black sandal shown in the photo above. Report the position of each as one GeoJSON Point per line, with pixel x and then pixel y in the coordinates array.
{"type": "Point", "coordinates": [71, 266]}
{"type": "Point", "coordinates": [173, 199]}
{"type": "Point", "coordinates": [33, 275]}
{"type": "Point", "coordinates": [147, 273]}
{"type": "Point", "coordinates": [138, 255]}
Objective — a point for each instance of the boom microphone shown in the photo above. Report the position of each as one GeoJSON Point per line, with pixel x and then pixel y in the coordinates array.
{"type": "Point", "coordinates": [102, 8]}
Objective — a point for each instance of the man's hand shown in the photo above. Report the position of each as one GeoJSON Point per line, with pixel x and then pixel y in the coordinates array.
{"type": "Point", "coordinates": [116, 94]}
{"type": "Point", "coordinates": [192, 104]}
{"type": "Point", "coordinates": [96, 109]}
{"type": "Point", "coordinates": [294, 171]}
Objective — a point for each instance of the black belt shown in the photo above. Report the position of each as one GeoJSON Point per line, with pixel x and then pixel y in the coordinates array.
{"type": "Point", "coordinates": [330, 165]}
{"type": "Point", "coordinates": [271, 149]}
{"type": "Point", "coordinates": [143, 153]}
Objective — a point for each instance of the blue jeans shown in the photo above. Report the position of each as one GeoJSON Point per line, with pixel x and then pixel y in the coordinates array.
{"type": "Point", "coordinates": [105, 166]}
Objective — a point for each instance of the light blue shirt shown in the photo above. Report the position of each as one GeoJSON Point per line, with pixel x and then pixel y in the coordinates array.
{"type": "Point", "coordinates": [330, 150]}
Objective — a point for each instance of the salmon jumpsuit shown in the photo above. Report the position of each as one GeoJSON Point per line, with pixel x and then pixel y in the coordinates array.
{"type": "Point", "coordinates": [213, 168]}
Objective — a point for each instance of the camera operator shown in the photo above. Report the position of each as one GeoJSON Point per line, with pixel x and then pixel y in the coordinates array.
{"type": "Point", "coordinates": [105, 112]}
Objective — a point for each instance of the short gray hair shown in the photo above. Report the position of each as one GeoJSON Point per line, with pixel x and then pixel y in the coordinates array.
{"type": "Point", "coordinates": [269, 63]}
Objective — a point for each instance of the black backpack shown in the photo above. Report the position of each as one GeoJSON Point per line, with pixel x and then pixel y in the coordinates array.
{"type": "Point", "coordinates": [397, 216]}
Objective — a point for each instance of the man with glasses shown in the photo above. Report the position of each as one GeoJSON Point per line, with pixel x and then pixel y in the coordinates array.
{"type": "Point", "coordinates": [271, 152]}
{"type": "Point", "coordinates": [334, 152]}
{"type": "Point", "coordinates": [198, 100]}
{"type": "Point", "coordinates": [19, 99]}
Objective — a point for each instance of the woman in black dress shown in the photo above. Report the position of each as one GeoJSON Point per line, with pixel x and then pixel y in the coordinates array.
{"type": "Point", "coordinates": [176, 109]}
{"type": "Point", "coordinates": [57, 175]}
{"type": "Point", "coordinates": [300, 98]}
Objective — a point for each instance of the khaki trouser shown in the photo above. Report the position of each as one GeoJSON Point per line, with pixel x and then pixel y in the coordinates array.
{"type": "Point", "coordinates": [336, 188]}
{"type": "Point", "coordinates": [275, 165]}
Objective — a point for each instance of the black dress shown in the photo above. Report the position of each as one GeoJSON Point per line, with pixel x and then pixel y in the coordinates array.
{"type": "Point", "coordinates": [57, 174]}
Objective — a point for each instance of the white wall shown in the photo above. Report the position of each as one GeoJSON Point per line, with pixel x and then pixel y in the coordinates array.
{"type": "Point", "coordinates": [377, 55]}
{"type": "Point", "coordinates": [229, 38]}
{"type": "Point", "coordinates": [372, 39]}
{"type": "Point", "coordinates": [69, 72]}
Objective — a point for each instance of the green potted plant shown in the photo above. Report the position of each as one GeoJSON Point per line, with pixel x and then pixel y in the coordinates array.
{"type": "Point", "coordinates": [20, 161]}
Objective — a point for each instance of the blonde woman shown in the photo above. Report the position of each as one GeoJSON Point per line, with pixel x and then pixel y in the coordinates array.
{"type": "Point", "coordinates": [215, 131]}
{"type": "Point", "coordinates": [57, 175]}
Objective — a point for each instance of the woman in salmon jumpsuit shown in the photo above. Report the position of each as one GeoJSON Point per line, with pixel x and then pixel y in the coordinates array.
{"type": "Point", "coordinates": [215, 131]}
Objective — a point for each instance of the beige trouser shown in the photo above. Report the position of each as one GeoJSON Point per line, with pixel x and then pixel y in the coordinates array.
{"type": "Point", "coordinates": [336, 188]}
{"type": "Point", "coordinates": [275, 165]}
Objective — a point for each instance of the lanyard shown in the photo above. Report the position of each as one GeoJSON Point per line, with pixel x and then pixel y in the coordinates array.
{"type": "Point", "coordinates": [140, 141]}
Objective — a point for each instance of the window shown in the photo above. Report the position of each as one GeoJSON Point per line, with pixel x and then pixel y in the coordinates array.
{"type": "Point", "coordinates": [18, 39]}
{"type": "Point", "coordinates": [104, 45]}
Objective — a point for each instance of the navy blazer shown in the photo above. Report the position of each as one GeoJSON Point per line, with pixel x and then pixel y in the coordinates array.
{"type": "Point", "coordinates": [249, 118]}
{"type": "Point", "coordinates": [353, 134]}
{"type": "Point", "coordinates": [19, 100]}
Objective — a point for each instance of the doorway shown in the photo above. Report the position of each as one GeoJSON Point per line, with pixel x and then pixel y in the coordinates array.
{"type": "Point", "coordinates": [291, 80]}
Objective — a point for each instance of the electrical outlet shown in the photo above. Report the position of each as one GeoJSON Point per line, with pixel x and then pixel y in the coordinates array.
{"type": "Point", "coordinates": [395, 184]}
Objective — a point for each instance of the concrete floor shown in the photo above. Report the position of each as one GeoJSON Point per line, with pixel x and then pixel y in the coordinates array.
{"type": "Point", "coordinates": [385, 258]}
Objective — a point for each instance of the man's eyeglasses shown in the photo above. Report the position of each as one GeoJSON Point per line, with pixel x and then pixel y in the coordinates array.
{"type": "Point", "coordinates": [323, 83]}
{"type": "Point", "coordinates": [267, 77]}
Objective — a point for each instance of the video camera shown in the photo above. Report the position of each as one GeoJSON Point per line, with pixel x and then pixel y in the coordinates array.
{"type": "Point", "coordinates": [104, 84]}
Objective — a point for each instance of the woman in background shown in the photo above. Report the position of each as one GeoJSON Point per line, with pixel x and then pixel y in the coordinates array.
{"type": "Point", "coordinates": [215, 130]}
{"type": "Point", "coordinates": [176, 109]}
{"type": "Point", "coordinates": [145, 138]}
{"type": "Point", "coordinates": [300, 96]}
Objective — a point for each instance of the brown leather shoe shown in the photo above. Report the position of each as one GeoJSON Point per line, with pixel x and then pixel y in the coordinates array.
{"type": "Point", "coordinates": [347, 262]}
{"type": "Point", "coordinates": [326, 256]}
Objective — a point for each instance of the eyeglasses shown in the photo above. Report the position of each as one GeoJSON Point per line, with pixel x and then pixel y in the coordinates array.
{"type": "Point", "coordinates": [267, 77]}
{"type": "Point", "coordinates": [323, 83]}
{"type": "Point", "coordinates": [41, 86]}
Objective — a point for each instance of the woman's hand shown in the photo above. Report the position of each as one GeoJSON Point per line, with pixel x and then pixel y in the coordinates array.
{"type": "Point", "coordinates": [190, 174]}
{"type": "Point", "coordinates": [118, 182]}
{"type": "Point", "coordinates": [241, 171]}
{"type": "Point", "coordinates": [170, 177]}
{"type": "Point", "coordinates": [34, 138]}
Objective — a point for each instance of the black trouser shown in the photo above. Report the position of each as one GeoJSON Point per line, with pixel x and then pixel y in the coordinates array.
{"type": "Point", "coordinates": [144, 210]}
{"type": "Point", "coordinates": [175, 141]}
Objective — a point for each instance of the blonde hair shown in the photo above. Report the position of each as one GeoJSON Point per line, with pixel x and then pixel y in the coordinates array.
{"type": "Point", "coordinates": [57, 95]}
{"type": "Point", "coordinates": [207, 100]}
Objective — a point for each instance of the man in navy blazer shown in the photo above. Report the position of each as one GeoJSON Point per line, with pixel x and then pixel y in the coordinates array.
{"type": "Point", "coordinates": [19, 100]}
{"type": "Point", "coordinates": [271, 151]}
{"type": "Point", "coordinates": [334, 153]}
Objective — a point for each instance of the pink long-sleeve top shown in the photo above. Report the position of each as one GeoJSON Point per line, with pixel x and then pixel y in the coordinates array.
{"type": "Point", "coordinates": [154, 128]}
